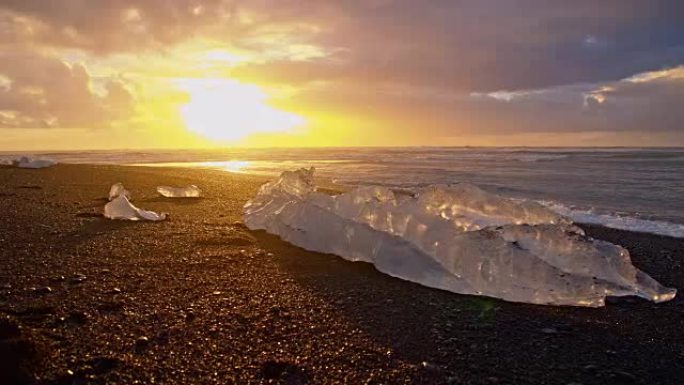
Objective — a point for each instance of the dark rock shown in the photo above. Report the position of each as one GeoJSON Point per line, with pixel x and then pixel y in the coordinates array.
{"type": "Point", "coordinates": [43, 290]}
{"type": "Point", "coordinates": [21, 354]}
{"type": "Point", "coordinates": [141, 344]}
{"type": "Point", "coordinates": [429, 367]}
{"type": "Point", "coordinates": [113, 306]}
{"type": "Point", "coordinates": [190, 316]}
{"type": "Point", "coordinates": [101, 365]}
{"type": "Point", "coordinates": [77, 317]}
{"type": "Point", "coordinates": [288, 373]}
{"type": "Point", "coordinates": [623, 377]}
{"type": "Point", "coordinates": [78, 278]}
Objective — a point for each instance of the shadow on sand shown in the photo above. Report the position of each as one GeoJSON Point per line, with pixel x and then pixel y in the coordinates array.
{"type": "Point", "coordinates": [485, 336]}
{"type": "Point", "coordinates": [180, 201]}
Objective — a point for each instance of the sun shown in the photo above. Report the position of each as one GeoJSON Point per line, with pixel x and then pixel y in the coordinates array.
{"type": "Point", "coordinates": [227, 110]}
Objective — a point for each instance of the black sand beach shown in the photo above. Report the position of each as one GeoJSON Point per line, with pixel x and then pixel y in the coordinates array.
{"type": "Point", "coordinates": [200, 299]}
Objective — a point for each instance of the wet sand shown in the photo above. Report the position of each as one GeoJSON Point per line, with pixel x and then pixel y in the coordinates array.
{"type": "Point", "coordinates": [200, 299]}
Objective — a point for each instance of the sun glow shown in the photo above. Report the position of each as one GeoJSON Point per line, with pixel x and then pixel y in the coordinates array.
{"type": "Point", "coordinates": [227, 110]}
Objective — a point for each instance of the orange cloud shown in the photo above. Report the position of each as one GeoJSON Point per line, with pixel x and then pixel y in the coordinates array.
{"type": "Point", "coordinates": [41, 91]}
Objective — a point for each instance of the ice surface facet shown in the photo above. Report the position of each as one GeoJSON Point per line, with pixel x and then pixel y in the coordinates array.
{"type": "Point", "coordinates": [118, 189]}
{"type": "Point", "coordinates": [457, 238]}
{"type": "Point", "coordinates": [191, 191]}
{"type": "Point", "coordinates": [121, 208]}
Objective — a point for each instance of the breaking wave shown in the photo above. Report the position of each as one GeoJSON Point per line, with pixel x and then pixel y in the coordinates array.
{"type": "Point", "coordinates": [620, 222]}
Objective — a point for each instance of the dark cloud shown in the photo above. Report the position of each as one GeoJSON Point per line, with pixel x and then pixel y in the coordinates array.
{"type": "Point", "coordinates": [489, 45]}
{"type": "Point", "coordinates": [644, 103]}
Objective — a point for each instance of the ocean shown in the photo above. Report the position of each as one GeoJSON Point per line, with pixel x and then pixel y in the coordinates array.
{"type": "Point", "coordinates": [638, 189]}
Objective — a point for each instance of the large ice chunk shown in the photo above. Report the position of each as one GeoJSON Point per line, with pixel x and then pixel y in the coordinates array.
{"type": "Point", "coordinates": [191, 191]}
{"type": "Point", "coordinates": [457, 238]}
{"type": "Point", "coordinates": [121, 208]}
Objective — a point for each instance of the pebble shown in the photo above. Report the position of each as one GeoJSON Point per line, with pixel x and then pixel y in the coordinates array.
{"type": "Point", "coordinates": [190, 316]}
{"type": "Point", "coordinates": [44, 290]}
{"type": "Point", "coordinates": [429, 366]}
{"type": "Point", "coordinates": [78, 278]}
{"type": "Point", "coordinates": [76, 317]}
{"type": "Point", "coordinates": [102, 365]}
{"type": "Point", "coordinates": [142, 343]}
{"type": "Point", "coordinates": [623, 377]}
{"type": "Point", "coordinates": [273, 370]}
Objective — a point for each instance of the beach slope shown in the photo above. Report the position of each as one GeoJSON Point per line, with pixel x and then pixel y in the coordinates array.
{"type": "Point", "coordinates": [200, 299]}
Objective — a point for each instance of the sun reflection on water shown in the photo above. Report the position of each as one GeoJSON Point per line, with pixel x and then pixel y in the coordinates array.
{"type": "Point", "coordinates": [236, 166]}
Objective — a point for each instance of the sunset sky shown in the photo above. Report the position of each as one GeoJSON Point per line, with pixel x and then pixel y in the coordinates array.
{"type": "Point", "coordinates": [100, 74]}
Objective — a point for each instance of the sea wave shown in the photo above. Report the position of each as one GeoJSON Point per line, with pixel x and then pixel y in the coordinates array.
{"type": "Point", "coordinates": [539, 157]}
{"type": "Point", "coordinates": [616, 221]}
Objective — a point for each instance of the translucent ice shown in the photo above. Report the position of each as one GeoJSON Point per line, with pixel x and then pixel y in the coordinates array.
{"type": "Point", "coordinates": [121, 208]}
{"type": "Point", "coordinates": [118, 189]}
{"type": "Point", "coordinates": [457, 238]}
{"type": "Point", "coordinates": [191, 191]}
{"type": "Point", "coordinates": [27, 162]}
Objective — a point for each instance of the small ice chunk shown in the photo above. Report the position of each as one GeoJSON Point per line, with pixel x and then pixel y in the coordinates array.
{"type": "Point", "coordinates": [118, 189]}
{"type": "Point", "coordinates": [121, 208]}
{"type": "Point", "coordinates": [191, 191]}
{"type": "Point", "coordinates": [457, 238]}
{"type": "Point", "coordinates": [27, 162]}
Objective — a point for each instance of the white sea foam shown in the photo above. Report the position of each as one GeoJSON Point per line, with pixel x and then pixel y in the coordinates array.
{"type": "Point", "coordinates": [621, 222]}
{"type": "Point", "coordinates": [538, 157]}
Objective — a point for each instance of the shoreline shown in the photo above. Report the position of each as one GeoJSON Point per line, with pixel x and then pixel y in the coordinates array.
{"type": "Point", "coordinates": [619, 217]}
{"type": "Point", "coordinates": [201, 299]}
{"type": "Point", "coordinates": [663, 227]}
